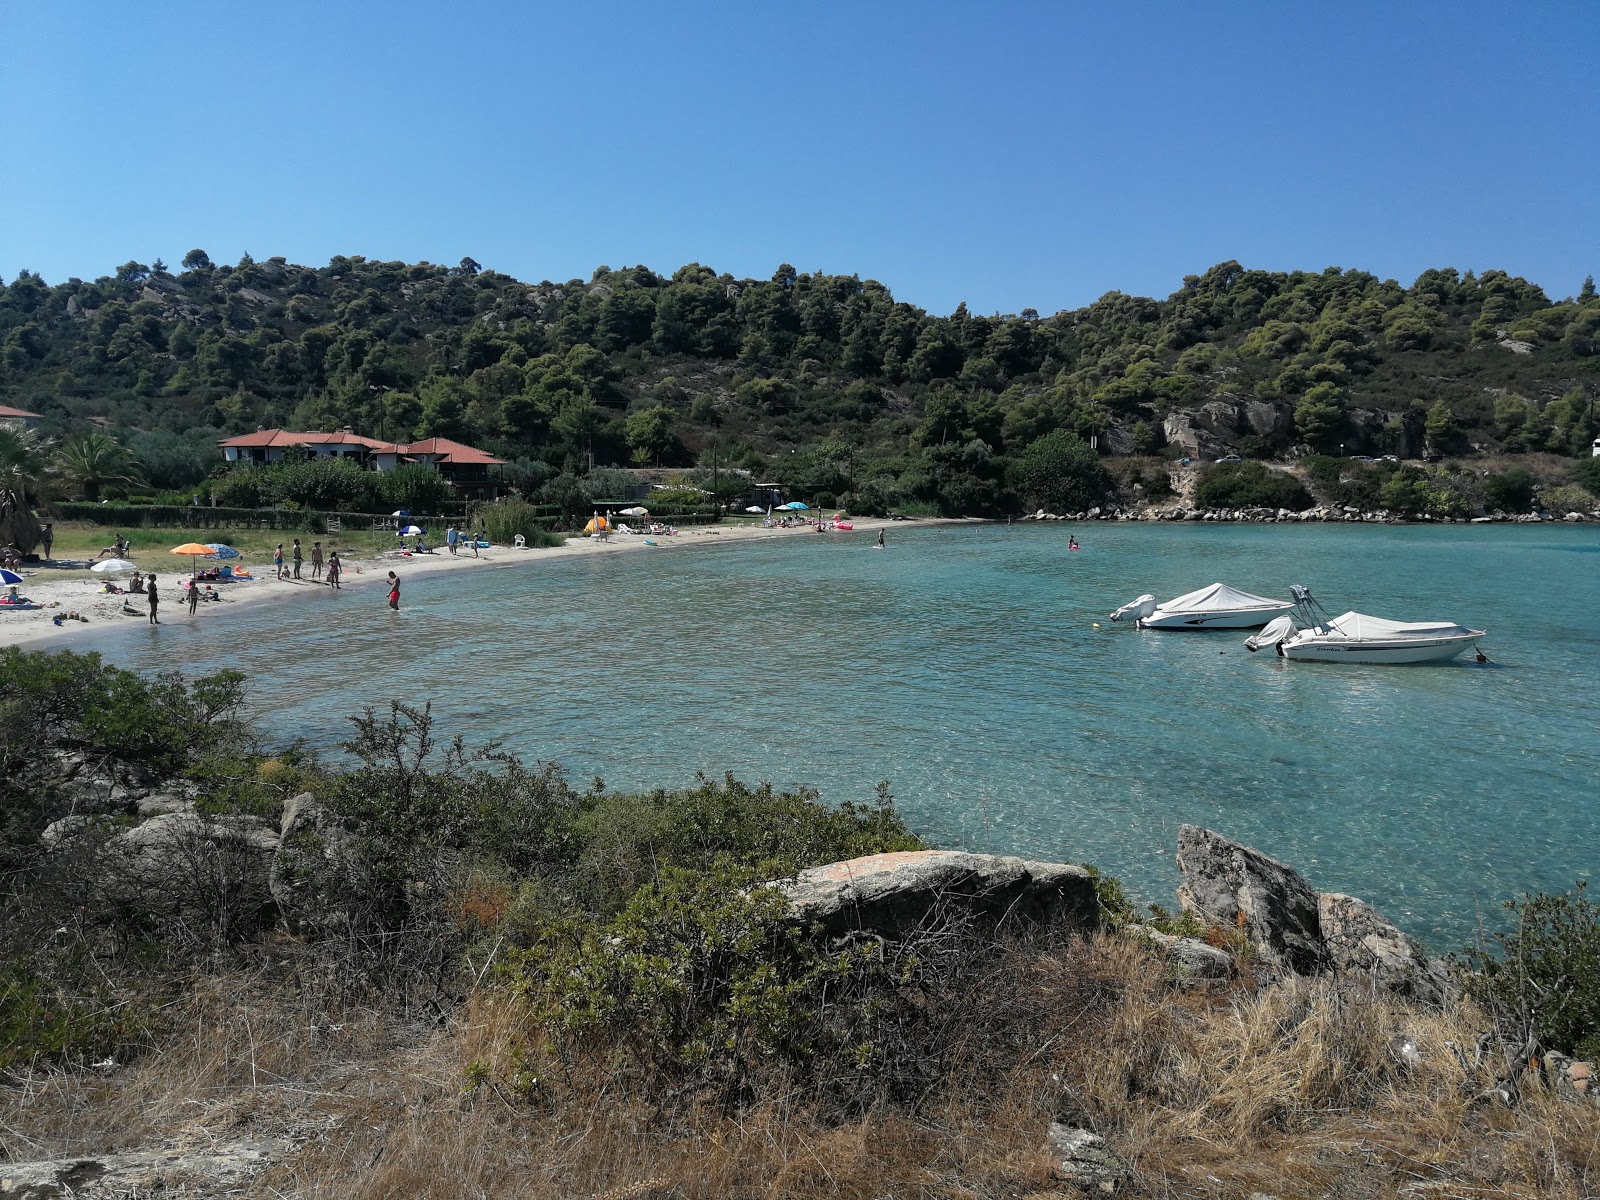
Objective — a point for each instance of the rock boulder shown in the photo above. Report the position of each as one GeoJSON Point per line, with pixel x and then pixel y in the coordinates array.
{"type": "Point", "coordinates": [894, 893]}
{"type": "Point", "coordinates": [183, 866]}
{"type": "Point", "coordinates": [1362, 940]}
{"type": "Point", "coordinates": [1234, 886]}
{"type": "Point", "coordinates": [1082, 1158]}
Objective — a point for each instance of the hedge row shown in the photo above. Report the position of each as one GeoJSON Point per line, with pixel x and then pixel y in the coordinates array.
{"type": "Point", "coordinates": [186, 516]}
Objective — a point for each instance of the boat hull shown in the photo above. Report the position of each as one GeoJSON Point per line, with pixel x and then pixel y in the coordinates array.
{"type": "Point", "coordinates": [1394, 653]}
{"type": "Point", "coordinates": [1245, 618]}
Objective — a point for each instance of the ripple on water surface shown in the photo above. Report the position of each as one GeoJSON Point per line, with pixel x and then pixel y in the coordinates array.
{"type": "Point", "coordinates": [962, 665]}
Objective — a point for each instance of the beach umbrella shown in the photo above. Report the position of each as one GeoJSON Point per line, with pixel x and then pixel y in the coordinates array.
{"type": "Point", "coordinates": [636, 511]}
{"type": "Point", "coordinates": [399, 512]}
{"type": "Point", "coordinates": [411, 531]}
{"type": "Point", "coordinates": [795, 505]}
{"type": "Point", "coordinates": [194, 550]}
{"type": "Point", "coordinates": [223, 549]}
{"type": "Point", "coordinates": [755, 508]}
{"type": "Point", "coordinates": [113, 566]}
{"type": "Point", "coordinates": [9, 576]}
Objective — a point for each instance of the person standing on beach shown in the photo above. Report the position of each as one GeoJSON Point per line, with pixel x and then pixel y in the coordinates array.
{"type": "Point", "coordinates": [155, 600]}
{"type": "Point", "coordinates": [277, 561]}
{"type": "Point", "coordinates": [299, 557]}
{"type": "Point", "coordinates": [194, 596]}
{"type": "Point", "coordinates": [333, 571]}
{"type": "Point", "coordinates": [452, 538]}
{"type": "Point", "coordinates": [316, 560]}
{"type": "Point", "coordinates": [47, 538]}
{"type": "Point", "coordinates": [394, 591]}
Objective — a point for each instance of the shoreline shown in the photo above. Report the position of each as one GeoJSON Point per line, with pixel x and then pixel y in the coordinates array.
{"type": "Point", "coordinates": [35, 628]}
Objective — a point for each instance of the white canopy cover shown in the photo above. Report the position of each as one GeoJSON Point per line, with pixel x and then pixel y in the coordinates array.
{"type": "Point", "coordinates": [1219, 597]}
{"type": "Point", "coordinates": [1376, 629]}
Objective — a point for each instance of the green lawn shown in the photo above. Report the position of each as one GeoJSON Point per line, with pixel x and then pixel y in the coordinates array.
{"type": "Point", "coordinates": [148, 547]}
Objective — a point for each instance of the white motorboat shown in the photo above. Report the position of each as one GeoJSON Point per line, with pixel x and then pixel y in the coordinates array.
{"type": "Point", "coordinates": [1215, 607]}
{"type": "Point", "coordinates": [1310, 635]}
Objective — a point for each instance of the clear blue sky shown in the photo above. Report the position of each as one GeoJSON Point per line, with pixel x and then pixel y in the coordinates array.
{"type": "Point", "coordinates": [1009, 155]}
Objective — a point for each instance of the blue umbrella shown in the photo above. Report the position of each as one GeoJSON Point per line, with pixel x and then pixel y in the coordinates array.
{"type": "Point", "coordinates": [411, 531]}
{"type": "Point", "coordinates": [223, 549]}
{"type": "Point", "coordinates": [9, 576]}
{"type": "Point", "coordinates": [795, 505]}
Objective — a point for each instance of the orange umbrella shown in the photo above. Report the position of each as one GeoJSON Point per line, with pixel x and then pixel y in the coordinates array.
{"type": "Point", "coordinates": [194, 550]}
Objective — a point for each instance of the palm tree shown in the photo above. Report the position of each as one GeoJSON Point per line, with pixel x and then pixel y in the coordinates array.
{"type": "Point", "coordinates": [22, 462]}
{"type": "Point", "coordinates": [92, 460]}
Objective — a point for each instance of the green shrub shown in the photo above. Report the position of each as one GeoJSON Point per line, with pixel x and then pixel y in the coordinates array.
{"type": "Point", "coordinates": [1543, 978]}
{"type": "Point", "coordinates": [1510, 491]}
{"type": "Point", "coordinates": [43, 1022]}
{"type": "Point", "coordinates": [620, 841]}
{"type": "Point", "coordinates": [1323, 468]}
{"type": "Point", "coordinates": [1586, 474]}
{"type": "Point", "coordinates": [1059, 472]}
{"type": "Point", "coordinates": [1249, 485]}
{"type": "Point", "coordinates": [504, 519]}
{"type": "Point", "coordinates": [1569, 498]}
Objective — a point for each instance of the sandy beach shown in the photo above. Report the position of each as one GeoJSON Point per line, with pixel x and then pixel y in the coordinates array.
{"type": "Point", "coordinates": [81, 592]}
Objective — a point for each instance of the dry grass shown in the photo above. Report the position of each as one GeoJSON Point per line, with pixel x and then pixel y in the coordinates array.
{"type": "Point", "coordinates": [1296, 1090]}
{"type": "Point", "coordinates": [1547, 469]}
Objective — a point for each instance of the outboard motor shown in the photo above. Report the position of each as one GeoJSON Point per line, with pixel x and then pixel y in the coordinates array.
{"type": "Point", "coordinates": [1277, 630]}
{"type": "Point", "coordinates": [1138, 610]}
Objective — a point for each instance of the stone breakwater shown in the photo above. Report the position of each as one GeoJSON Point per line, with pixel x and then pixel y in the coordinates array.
{"type": "Point", "coordinates": [1322, 513]}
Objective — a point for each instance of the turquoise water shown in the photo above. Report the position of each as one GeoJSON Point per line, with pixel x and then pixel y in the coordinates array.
{"type": "Point", "coordinates": [962, 665]}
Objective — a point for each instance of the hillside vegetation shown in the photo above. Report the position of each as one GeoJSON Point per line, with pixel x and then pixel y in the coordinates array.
{"type": "Point", "coordinates": [824, 382]}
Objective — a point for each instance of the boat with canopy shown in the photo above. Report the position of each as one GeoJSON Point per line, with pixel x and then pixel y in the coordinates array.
{"type": "Point", "coordinates": [1216, 606]}
{"type": "Point", "coordinates": [1309, 634]}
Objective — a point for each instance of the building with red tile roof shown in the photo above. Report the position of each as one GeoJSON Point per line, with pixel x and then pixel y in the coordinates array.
{"type": "Point", "coordinates": [466, 467]}
{"type": "Point", "coordinates": [19, 417]}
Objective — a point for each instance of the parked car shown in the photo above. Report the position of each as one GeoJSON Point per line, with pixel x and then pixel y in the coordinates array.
{"type": "Point", "coordinates": [1361, 458]}
{"type": "Point", "coordinates": [1230, 458]}
{"type": "Point", "coordinates": [1186, 462]}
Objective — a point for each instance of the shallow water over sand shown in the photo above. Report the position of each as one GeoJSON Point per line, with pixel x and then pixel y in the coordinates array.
{"type": "Point", "coordinates": [962, 664]}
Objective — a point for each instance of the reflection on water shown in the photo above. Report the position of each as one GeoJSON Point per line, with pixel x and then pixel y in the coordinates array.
{"type": "Point", "coordinates": [962, 665]}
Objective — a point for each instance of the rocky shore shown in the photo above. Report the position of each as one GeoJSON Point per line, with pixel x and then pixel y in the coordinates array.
{"type": "Point", "coordinates": [1321, 513]}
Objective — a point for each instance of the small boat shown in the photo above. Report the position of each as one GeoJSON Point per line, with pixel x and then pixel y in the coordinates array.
{"type": "Point", "coordinates": [1309, 634]}
{"type": "Point", "coordinates": [1215, 607]}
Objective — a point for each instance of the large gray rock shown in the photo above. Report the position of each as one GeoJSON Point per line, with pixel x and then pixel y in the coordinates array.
{"type": "Point", "coordinates": [192, 868]}
{"type": "Point", "coordinates": [1239, 888]}
{"type": "Point", "coordinates": [215, 1170]}
{"type": "Point", "coordinates": [305, 871]}
{"type": "Point", "coordinates": [1188, 956]}
{"type": "Point", "coordinates": [1082, 1158]}
{"type": "Point", "coordinates": [893, 893]}
{"type": "Point", "coordinates": [1362, 940]}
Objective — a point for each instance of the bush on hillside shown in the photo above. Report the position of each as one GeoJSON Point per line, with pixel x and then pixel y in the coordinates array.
{"type": "Point", "coordinates": [1060, 473]}
{"type": "Point", "coordinates": [1510, 491]}
{"type": "Point", "coordinates": [1570, 498]}
{"type": "Point", "coordinates": [1586, 474]}
{"type": "Point", "coordinates": [1249, 485]}
{"type": "Point", "coordinates": [1543, 978]}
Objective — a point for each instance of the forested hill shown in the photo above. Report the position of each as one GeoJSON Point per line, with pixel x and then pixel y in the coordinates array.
{"type": "Point", "coordinates": [634, 367]}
